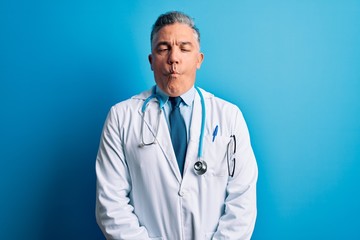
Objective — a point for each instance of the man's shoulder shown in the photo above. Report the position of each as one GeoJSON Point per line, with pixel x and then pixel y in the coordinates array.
{"type": "Point", "coordinates": [129, 103]}
{"type": "Point", "coordinates": [142, 95]}
{"type": "Point", "coordinates": [216, 99]}
{"type": "Point", "coordinates": [137, 97]}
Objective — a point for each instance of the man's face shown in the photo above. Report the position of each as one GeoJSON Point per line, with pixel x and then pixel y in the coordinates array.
{"type": "Point", "coordinates": [174, 58]}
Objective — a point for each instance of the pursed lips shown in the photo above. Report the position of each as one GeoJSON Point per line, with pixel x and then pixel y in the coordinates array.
{"type": "Point", "coordinates": [171, 72]}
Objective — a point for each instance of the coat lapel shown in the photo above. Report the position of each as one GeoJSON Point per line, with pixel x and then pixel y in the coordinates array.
{"type": "Point", "coordinates": [195, 128]}
{"type": "Point", "coordinates": [151, 120]}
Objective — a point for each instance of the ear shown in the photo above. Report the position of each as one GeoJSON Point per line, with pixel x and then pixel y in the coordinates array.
{"type": "Point", "coordinates": [200, 59]}
{"type": "Point", "coordinates": [150, 61]}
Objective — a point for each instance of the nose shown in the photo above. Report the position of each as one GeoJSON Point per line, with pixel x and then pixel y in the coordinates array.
{"type": "Point", "coordinates": [174, 57]}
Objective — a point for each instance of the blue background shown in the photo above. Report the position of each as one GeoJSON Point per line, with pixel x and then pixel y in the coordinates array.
{"type": "Point", "coordinates": [293, 67]}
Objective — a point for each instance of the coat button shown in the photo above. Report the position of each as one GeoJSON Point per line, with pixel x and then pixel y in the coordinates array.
{"type": "Point", "coordinates": [182, 193]}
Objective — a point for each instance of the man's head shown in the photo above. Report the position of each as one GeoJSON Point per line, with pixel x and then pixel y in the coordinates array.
{"type": "Point", "coordinates": [171, 18]}
{"type": "Point", "coordinates": [175, 52]}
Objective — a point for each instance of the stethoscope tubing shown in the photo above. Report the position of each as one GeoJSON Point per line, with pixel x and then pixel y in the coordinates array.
{"type": "Point", "coordinates": [200, 166]}
{"type": "Point", "coordinates": [161, 104]}
{"type": "Point", "coordinates": [202, 129]}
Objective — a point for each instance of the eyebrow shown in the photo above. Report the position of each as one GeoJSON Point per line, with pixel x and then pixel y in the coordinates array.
{"type": "Point", "coordinates": [186, 43]}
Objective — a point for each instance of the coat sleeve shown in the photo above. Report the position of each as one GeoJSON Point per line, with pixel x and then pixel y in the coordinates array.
{"type": "Point", "coordinates": [239, 217]}
{"type": "Point", "coordinates": [114, 213]}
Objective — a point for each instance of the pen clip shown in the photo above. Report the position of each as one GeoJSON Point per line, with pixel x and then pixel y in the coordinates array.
{"type": "Point", "coordinates": [215, 133]}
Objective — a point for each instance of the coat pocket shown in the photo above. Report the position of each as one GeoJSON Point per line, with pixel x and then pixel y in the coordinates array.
{"type": "Point", "coordinates": [215, 155]}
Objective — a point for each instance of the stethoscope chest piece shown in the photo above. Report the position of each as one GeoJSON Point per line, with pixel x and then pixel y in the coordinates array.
{"type": "Point", "coordinates": [200, 167]}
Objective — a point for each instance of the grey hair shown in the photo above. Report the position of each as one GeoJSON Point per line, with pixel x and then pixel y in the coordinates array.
{"type": "Point", "coordinates": [171, 18]}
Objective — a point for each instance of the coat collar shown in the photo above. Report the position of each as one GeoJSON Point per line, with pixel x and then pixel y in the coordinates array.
{"type": "Point", "coordinates": [144, 95]}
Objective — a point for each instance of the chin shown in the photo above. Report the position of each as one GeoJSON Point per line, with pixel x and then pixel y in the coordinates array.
{"type": "Point", "coordinates": [174, 92]}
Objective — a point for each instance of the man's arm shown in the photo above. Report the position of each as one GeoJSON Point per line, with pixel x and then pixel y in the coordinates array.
{"type": "Point", "coordinates": [114, 214]}
{"type": "Point", "coordinates": [238, 220]}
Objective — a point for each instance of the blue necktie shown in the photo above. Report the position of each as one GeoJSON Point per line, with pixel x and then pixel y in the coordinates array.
{"type": "Point", "coordinates": [178, 132]}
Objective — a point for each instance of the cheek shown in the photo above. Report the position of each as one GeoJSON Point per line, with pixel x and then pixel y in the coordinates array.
{"type": "Point", "coordinates": [192, 63]}
{"type": "Point", "coordinates": [158, 64]}
{"type": "Point", "coordinates": [156, 68]}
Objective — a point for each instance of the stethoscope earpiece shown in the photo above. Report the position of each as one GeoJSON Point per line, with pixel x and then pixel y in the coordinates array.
{"type": "Point", "coordinates": [200, 167]}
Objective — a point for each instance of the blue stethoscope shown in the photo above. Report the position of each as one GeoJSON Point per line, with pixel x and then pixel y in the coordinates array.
{"type": "Point", "coordinates": [200, 166]}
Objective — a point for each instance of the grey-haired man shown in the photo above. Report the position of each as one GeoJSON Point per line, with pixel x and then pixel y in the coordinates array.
{"type": "Point", "coordinates": [175, 162]}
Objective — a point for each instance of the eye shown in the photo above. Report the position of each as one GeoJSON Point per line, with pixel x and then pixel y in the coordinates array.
{"type": "Point", "coordinates": [163, 49]}
{"type": "Point", "coordinates": [185, 49]}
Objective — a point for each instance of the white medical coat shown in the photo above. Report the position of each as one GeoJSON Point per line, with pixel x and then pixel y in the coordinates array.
{"type": "Point", "coordinates": [141, 193]}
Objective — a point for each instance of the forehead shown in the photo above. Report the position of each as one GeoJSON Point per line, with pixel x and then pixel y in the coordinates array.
{"type": "Point", "coordinates": [175, 32]}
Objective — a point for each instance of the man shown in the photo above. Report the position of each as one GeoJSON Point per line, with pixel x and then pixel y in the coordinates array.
{"type": "Point", "coordinates": [175, 162]}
